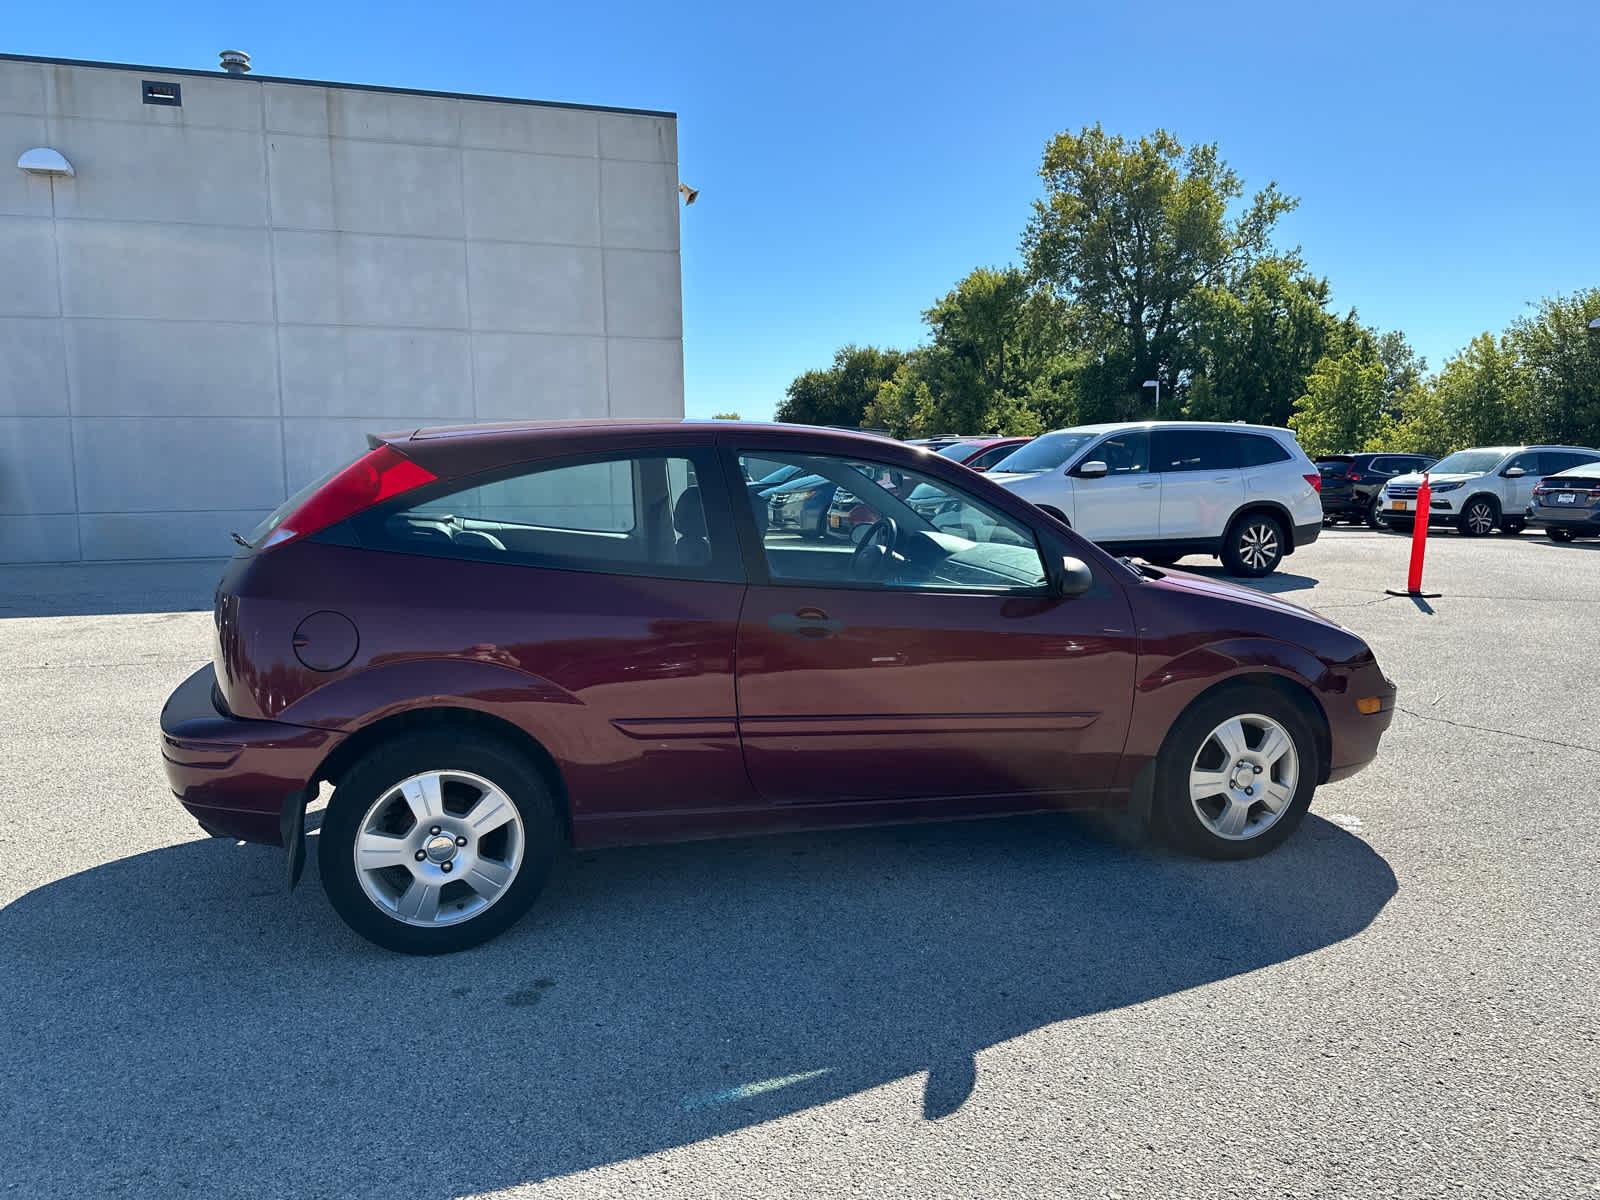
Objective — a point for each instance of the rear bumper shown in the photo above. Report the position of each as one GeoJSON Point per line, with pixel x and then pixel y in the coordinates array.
{"type": "Point", "coordinates": [1304, 535]}
{"type": "Point", "coordinates": [233, 775]}
{"type": "Point", "coordinates": [1581, 521]}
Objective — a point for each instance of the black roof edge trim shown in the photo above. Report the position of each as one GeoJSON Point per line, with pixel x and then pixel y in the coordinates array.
{"type": "Point", "coordinates": [328, 83]}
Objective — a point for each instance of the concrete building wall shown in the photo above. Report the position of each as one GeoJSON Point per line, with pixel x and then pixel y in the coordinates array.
{"type": "Point", "coordinates": [231, 293]}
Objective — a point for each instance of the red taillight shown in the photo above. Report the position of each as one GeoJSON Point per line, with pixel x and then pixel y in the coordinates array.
{"type": "Point", "coordinates": [1314, 480]}
{"type": "Point", "coordinates": [1353, 474]}
{"type": "Point", "coordinates": [371, 479]}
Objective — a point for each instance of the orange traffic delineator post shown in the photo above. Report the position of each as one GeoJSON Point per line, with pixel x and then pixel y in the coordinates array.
{"type": "Point", "coordinates": [1419, 544]}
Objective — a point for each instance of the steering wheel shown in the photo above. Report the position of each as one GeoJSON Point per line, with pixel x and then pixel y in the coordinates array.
{"type": "Point", "coordinates": [875, 554]}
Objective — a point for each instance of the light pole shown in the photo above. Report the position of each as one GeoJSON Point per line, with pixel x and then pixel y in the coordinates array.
{"type": "Point", "coordinates": [1156, 383]}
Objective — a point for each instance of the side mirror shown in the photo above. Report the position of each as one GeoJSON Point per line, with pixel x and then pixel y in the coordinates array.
{"type": "Point", "coordinates": [1091, 470]}
{"type": "Point", "coordinates": [1513, 472]}
{"type": "Point", "coordinates": [1072, 577]}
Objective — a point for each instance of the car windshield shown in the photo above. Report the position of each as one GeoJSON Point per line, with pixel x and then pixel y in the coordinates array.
{"type": "Point", "coordinates": [1467, 462]}
{"type": "Point", "coordinates": [1046, 452]}
{"type": "Point", "coordinates": [959, 449]}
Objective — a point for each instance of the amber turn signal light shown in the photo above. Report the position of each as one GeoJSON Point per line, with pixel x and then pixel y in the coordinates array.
{"type": "Point", "coordinates": [1368, 705]}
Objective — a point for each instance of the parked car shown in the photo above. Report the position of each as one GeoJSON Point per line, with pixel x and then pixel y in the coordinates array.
{"type": "Point", "coordinates": [1166, 489]}
{"type": "Point", "coordinates": [980, 454]}
{"type": "Point", "coordinates": [850, 518]}
{"type": "Point", "coordinates": [1566, 505]}
{"type": "Point", "coordinates": [1352, 484]}
{"type": "Point", "coordinates": [1476, 490]}
{"type": "Point", "coordinates": [801, 505]}
{"type": "Point", "coordinates": [495, 642]}
{"type": "Point", "coordinates": [938, 441]}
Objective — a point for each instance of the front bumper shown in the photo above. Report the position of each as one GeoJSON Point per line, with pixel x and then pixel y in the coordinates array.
{"type": "Point", "coordinates": [1353, 736]}
{"type": "Point", "coordinates": [233, 775]}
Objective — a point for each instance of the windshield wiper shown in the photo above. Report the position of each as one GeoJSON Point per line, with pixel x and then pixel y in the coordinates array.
{"type": "Point", "coordinates": [239, 540]}
{"type": "Point", "coordinates": [1134, 567]}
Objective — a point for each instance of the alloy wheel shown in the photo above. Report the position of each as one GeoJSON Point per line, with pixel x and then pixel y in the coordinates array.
{"type": "Point", "coordinates": [1244, 776]}
{"type": "Point", "coordinates": [439, 848]}
{"type": "Point", "coordinates": [1258, 545]}
{"type": "Point", "coordinates": [1480, 517]}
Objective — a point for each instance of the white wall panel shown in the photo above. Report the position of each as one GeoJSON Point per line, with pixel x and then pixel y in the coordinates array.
{"type": "Point", "coordinates": [360, 279]}
{"type": "Point", "coordinates": [646, 377]}
{"type": "Point", "coordinates": [33, 368]}
{"type": "Point", "coordinates": [172, 369]}
{"type": "Point", "coordinates": [639, 205]}
{"type": "Point", "coordinates": [208, 176]}
{"type": "Point", "coordinates": [158, 464]}
{"type": "Point", "coordinates": [644, 295]}
{"type": "Point", "coordinates": [28, 286]}
{"type": "Point", "coordinates": [532, 197]}
{"type": "Point", "coordinates": [36, 466]}
{"type": "Point", "coordinates": [332, 372]}
{"type": "Point", "coordinates": [164, 272]}
{"type": "Point", "coordinates": [535, 289]}
{"type": "Point", "coordinates": [532, 376]}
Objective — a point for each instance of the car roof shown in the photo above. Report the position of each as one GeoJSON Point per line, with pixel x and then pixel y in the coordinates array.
{"type": "Point", "coordinates": [1122, 426]}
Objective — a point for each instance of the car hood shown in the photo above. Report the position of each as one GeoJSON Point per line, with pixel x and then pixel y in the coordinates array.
{"type": "Point", "coordinates": [1003, 478]}
{"type": "Point", "coordinates": [1204, 585]}
{"type": "Point", "coordinates": [1415, 478]}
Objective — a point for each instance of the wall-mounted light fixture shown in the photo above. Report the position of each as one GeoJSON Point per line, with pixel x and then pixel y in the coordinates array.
{"type": "Point", "coordinates": [44, 161]}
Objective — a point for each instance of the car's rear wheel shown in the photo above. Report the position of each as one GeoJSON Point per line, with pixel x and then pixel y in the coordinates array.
{"type": "Point", "coordinates": [1401, 525]}
{"type": "Point", "coordinates": [437, 841]}
{"type": "Point", "coordinates": [1235, 775]}
{"type": "Point", "coordinates": [1513, 525]}
{"type": "Point", "coordinates": [1559, 535]}
{"type": "Point", "coordinates": [1254, 546]}
{"type": "Point", "coordinates": [1478, 517]}
{"type": "Point", "coordinates": [1376, 517]}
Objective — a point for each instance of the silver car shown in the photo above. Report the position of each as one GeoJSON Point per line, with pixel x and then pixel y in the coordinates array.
{"type": "Point", "coordinates": [1166, 489]}
{"type": "Point", "coordinates": [1476, 490]}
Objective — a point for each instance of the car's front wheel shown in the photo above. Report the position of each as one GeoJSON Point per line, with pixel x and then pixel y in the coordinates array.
{"type": "Point", "coordinates": [1253, 546]}
{"type": "Point", "coordinates": [437, 841]}
{"type": "Point", "coordinates": [1478, 517]}
{"type": "Point", "coordinates": [1235, 775]}
{"type": "Point", "coordinates": [1376, 517]}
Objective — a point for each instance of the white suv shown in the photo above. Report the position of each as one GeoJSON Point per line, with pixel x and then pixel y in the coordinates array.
{"type": "Point", "coordinates": [1475, 490]}
{"type": "Point", "coordinates": [1164, 489]}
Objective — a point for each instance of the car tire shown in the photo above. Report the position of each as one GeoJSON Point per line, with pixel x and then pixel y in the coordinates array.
{"type": "Point", "coordinates": [1399, 525]}
{"type": "Point", "coordinates": [1231, 741]}
{"type": "Point", "coordinates": [1376, 517]}
{"type": "Point", "coordinates": [388, 805]}
{"type": "Point", "coordinates": [1478, 516]}
{"type": "Point", "coordinates": [1253, 546]}
{"type": "Point", "coordinates": [1513, 525]}
{"type": "Point", "coordinates": [1559, 535]}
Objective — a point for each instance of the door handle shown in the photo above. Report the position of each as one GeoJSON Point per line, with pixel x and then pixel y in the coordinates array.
{"type": "Point", "coordinates": [1223, 479]}
{"type": "Point", "coordinates": [1145, 486]}
{"type": "Point", "coordinates": [807, 623]}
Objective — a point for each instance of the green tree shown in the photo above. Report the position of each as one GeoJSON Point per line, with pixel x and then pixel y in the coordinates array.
{"type": "Point", "coordinates": [1342, 409]}
{"type": "Point", "coordinates": [1127, 233]}
{"type": "Point", "coordinates": [994, 362]}
{"type": "Point", "coordinates": [1256, 339]}
{"type": "Point", "coordinates": [1478, 394]}
{"type": "Point", "coordinates": [840, 394]}
{"type": "Point", "coordinates": [727, 417]}
{"type": "Point", "coordinates": [1558, 398]}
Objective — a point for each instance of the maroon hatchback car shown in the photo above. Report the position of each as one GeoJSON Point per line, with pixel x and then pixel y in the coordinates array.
{"type": "Point", "coordinates": [496, 642]}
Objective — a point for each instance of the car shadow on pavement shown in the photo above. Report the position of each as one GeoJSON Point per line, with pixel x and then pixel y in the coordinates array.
{"type": "Point", "coordinates": [180, 1023]}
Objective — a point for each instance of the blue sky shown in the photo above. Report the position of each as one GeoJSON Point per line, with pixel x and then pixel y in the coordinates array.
{"type": "Point", "coordinates": [855, 160]}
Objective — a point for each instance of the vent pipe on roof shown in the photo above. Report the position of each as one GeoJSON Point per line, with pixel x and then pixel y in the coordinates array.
{"type": "Point", "coordinates": [235, 62]}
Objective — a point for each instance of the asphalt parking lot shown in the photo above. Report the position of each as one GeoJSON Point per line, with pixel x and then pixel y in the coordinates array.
{"type": "Point", "coordinates": [1402, 1001]}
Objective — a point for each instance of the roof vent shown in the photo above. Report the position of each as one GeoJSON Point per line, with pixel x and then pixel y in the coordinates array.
{"type": "Point", "coordinates": [235, 62]}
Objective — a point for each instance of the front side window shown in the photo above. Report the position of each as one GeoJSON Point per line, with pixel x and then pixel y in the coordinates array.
{"type": "Point", "coordinates": [638, 514]}
{"type": "Point", "coordinates": [886, 527]}
{"type": "Point", "coordinates": [1124, 453]}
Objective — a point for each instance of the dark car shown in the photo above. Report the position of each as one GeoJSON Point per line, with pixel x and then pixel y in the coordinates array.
{"type": "Point", "coordinates": [1352, 484]}
{"type": "Point", "coordinates": [1567, 505]}
{"type": "Point", "coordinates": [850, 517]}
{"type": "Point", "coordinates": [497, 642]}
